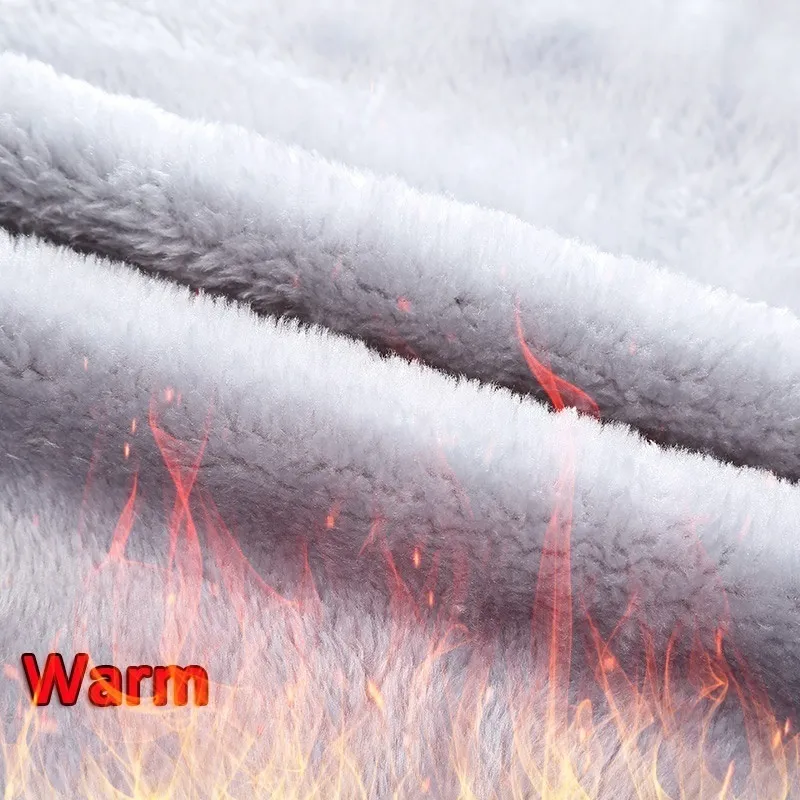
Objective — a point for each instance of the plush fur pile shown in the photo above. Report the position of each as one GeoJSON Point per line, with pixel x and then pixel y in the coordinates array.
{"type": "Point", "coordinates": [469, 475]}
{"type": "Point", "coordinates": [228, 211]}
{"type": "Point", "coordinates": [384, 464]}
{"type": "Point", "coordinates": [657, 129]}
{"type": "Point", "coordinates": [455, 715]}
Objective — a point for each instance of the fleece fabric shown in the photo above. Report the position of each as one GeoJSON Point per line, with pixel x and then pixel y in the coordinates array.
{"type": "Point", "coordinates": [410, 706]}
{"type": "Point", "coordinates": [288, 293]}
{"type": "Point", "coordinates": [654, 129]}
{"type": "Point", "coordinates": [314, 445]}
{"type": "Point", "coordinates": [465, 289]}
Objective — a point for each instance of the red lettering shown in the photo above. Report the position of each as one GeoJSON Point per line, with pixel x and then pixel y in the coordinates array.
{"type": "Point", "coordinates": [41, 686]}
{"type": "Point", "coordinates": [107, 687]}
{"type": "Point", "coordinates": [180, 677]}
{"type": "Point", "coordinates": [133, 679]}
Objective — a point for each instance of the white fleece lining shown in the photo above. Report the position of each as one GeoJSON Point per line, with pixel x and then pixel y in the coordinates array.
{"type": "Point", "coordinates": [304, 422]}
{"type": "Point", "coordinates": [449, 702]}
{"type": "Point", "coordinates": [286, 231]}
{"type": "Point", "coordinates": [656, 129]}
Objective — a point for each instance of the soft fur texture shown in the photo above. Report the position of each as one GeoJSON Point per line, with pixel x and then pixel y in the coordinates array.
{"type": "Point", "coordinates": [377, 557]}
{"type": "Point", "coordinates": [464, 473]}
{"type": "Point", "coordinates": [305, 425]}
{"type": "Point", "coordinates": [228, 211]}
{"type": "Point", "coordinates": [656, 129]}
{"type": "Point", "coordinates": [455, 716]}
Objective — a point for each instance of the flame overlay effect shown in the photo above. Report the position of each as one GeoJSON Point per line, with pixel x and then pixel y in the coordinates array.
{"type": "Point", "coordinates": [415, 705]}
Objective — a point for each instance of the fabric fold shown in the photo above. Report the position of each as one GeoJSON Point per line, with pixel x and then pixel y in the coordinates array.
{"type": "Point", "coordinates": [653, 130]}
{"type": "Point", "coordinates": [322, 455]}
{"type": "Point", "coordinates": [288, 674]}
{"type": "Point", "coordinates": [425, 376]}
{"type": "Point", "coordinates": [464, 289]}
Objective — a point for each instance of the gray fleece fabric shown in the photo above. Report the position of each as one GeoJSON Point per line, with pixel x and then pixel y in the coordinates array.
{"type": "Point", "coordinates": [427, 373]}
{"type": "Point", "coordinates": [228, 211]}
{"type": "Point", "coordinates": [334, 462]}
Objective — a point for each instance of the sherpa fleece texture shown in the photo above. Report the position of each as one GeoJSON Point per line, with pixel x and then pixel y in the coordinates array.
{"type": "Point", "coordinates": [315, 444]}
{"type": "Point", "coordinates": [450, 703]}
{"type": "Point", "coordinates": [226, 210]}
{"type": "Point", "coordinates": [658, 129]}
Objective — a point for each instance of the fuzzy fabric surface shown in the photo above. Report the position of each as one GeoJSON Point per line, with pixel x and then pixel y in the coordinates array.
{"type": "Point", "coordinates": [431, 376]}
{"type": "Point", "coordinates": [227, 211]}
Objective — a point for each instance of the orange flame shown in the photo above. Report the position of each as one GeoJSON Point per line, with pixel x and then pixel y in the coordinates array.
{"type": "Point", "coordinates": [301, 721]}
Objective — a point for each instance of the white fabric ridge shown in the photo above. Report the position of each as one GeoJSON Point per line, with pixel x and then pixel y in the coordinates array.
{"type": "Point", "coordinates": [658, 130]}
{"type": "Point", "coordinates": [304, 422]}
{"type": "Point", "coordinates": [226, 210]}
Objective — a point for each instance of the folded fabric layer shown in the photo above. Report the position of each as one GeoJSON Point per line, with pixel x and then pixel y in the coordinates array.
{"type": "Point", "coordinates": [319, 454]}
{"type": "Point", "coordinates": [654, 130]}
{"type": "Point", "coordinates": [315, 683]}
{"type": "Point", "coordinates": [288, 232]}
{"type": "Point", "coordinates": [402, 578]}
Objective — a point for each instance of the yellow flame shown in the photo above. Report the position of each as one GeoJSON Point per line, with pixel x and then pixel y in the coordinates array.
{"type": "Point", "coordinates": [278, 728]}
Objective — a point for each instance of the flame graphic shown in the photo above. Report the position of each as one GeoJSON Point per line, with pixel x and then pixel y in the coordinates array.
{"type": "Point", "coordinates": [416, 706]}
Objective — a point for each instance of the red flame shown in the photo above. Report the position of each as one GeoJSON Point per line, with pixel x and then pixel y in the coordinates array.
{"type": "Point", "coordinates": [560, 392]}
